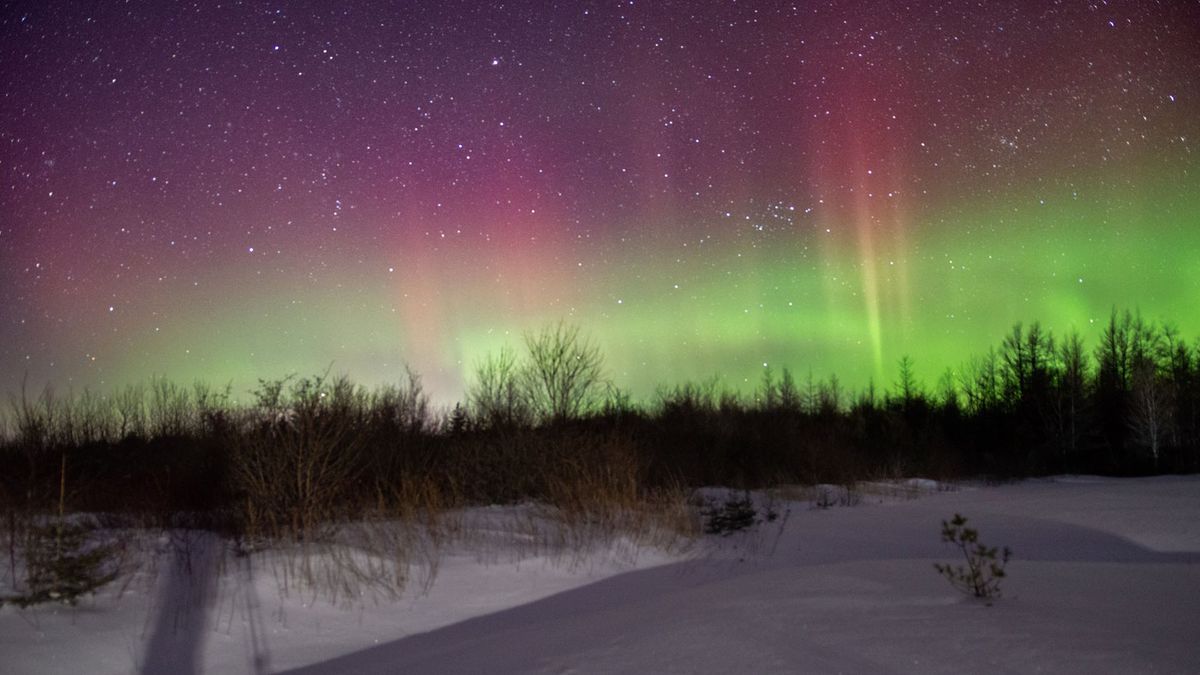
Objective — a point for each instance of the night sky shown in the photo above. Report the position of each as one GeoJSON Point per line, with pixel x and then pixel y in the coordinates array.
{"type": "Point", "coordinates": [239, 190]}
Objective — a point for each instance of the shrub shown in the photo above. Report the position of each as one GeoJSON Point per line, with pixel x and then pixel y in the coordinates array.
{"type": "Point", "coordinates": [296, 478]}
{"type": "Point", "coordinates": [981, 575]}
{"type": "Point", "coordinates": [735, 513]}
{"type": "Point", "coordinates": [63, 562]}
{"type": "Point", "coordinates": [829, 496]}
{"type": "Point", "coordinates": [301, 471]}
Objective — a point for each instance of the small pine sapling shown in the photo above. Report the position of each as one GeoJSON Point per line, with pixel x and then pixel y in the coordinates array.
{"type": "Point", "coordinates": [984, 570]}
{"type": "Point", "coordinates": [64, 564]}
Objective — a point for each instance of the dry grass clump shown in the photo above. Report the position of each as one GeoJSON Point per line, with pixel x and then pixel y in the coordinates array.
{"type": "Point", "coordinates": [599, 490]}
{"type": "Point", "coordinates": [360, 561]}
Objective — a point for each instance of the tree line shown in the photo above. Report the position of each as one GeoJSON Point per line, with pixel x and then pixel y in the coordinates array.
{"type": "Point", "coordinates": [544, 421]}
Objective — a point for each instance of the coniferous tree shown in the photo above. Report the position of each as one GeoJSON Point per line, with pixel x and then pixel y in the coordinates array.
{"type": "Point", "coordinates": [1070, 403]}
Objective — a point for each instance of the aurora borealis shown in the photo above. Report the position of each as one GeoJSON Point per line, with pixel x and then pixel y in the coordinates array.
{"type": "Point", "coordinates": [239, 190]}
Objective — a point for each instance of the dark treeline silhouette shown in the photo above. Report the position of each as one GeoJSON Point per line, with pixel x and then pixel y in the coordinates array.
{"type": "Point", "coordinates": [544, 425]}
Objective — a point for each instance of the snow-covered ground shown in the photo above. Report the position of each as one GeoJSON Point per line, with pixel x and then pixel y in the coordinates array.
{"type": "Point", "coordinates": [1105, 578]}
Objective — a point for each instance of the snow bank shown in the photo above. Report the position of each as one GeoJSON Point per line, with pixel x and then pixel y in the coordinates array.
{"type": "Point", "coordinates": [1104, 579]}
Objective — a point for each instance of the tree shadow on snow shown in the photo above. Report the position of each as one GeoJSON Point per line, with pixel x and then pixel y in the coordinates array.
{"type": "Point", "coordinates": [186, 597]}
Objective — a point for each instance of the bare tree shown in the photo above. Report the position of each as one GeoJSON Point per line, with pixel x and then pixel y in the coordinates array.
{"type": "Point", "coordinates": [170, 406]}
{"type": "Point", "coordinates": [1071, 386]}
{"type": "Point", "coordinates": [564, 375]}
{"type": "Point", "coordinates": [1178, 364]}
{"type": "Point", "coordinates": [498, 397]}
{"type": "Point", "coordinates": [980, 382]}
{"type": "Point", "coordinates": [412, 404]}
{"type": "Point", "coordinates": [1150, 413]}
{"type": "Point", "coordinates": [131, 411]}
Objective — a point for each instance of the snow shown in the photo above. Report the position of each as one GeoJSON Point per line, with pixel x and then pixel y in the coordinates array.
{"type": "Point", "coordinates": [1105, 578]}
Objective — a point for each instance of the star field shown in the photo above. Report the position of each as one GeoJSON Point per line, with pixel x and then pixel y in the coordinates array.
{"type": "Point", "coordinates": [238, 190]}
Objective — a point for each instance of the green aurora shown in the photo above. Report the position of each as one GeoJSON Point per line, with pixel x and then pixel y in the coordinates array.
{"type": "Point", "coordinates": [1065, 257]}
